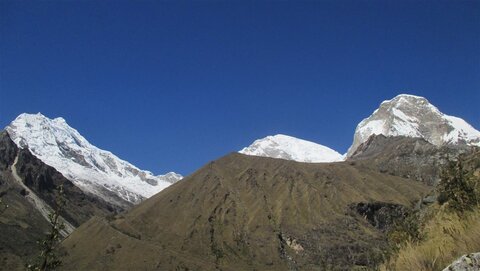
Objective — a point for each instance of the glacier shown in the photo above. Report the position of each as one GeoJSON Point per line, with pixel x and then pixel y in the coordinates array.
{"type": "Point", "coordinates": [93, 170]}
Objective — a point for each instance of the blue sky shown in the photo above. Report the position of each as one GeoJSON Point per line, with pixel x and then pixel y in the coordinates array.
{"type": "Point", "coordinates": [171, 85]}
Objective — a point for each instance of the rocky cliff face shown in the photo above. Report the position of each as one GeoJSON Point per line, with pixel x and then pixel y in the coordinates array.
{"type": "Point", "coordinates": [22, 222]}
{"type": "Point", "coordinates": [414, 117]}
{"type": "Point", "coordinates": [468, 262]}
{"type": "Point", "coordinates": [413, 158]}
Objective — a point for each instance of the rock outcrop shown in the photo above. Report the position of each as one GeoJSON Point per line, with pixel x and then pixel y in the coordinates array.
{"type": "Point", "coordinates": [468, 262]}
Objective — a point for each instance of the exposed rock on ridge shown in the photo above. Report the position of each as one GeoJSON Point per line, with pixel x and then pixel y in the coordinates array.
{"type": "Point", "coordinates": [407, 157]}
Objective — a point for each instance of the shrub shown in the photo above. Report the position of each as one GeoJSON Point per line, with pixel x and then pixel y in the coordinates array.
{"type": "Point", "coordinates": [48, 259]}
{"type": "Point", "coordinates": [457, 188]}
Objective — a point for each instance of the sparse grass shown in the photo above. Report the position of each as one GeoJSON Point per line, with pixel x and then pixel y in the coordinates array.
{"type": "Point", "coordinates": [448, 235]}
{"type": "Point", "coordinates": [449, 230]}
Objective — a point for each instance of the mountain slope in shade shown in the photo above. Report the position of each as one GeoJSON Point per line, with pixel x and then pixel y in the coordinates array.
{"type": "Point", "coordinates": [291, 148]}
{"type": "Point", "coordinates": [27, 196]}
{"type": "Point", "coordinates": [91, 169]}
{"type": "Point", "coordinates": [413, 116]}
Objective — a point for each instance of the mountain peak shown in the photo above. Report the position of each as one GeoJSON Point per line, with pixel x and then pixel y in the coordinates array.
{"type": "Point", "coordinates": [414, 116]}
{"type": "Point", "coordinates": [409, 96]}
{"type": "Point", "coordinates": [36, 118]}
{"type": "Point", "coordinates": [408, 100]}
{"type": "Point", "coordinates": [291, 148]}
{"type": "Point", "coordinates": [91, 169]}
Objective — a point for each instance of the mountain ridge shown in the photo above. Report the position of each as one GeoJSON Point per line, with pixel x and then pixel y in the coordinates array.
{"type": "Point", "coordinates": [404, 115]}
{"type": "Point", "coordinates": [92, 169]}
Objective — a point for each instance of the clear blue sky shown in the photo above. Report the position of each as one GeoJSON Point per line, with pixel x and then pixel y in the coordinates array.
{"type": "Point", "coordinates": [171, 85]}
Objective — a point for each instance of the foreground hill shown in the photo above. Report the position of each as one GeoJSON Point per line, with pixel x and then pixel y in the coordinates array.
{"type": "Point", "coordinates": [252, 213]}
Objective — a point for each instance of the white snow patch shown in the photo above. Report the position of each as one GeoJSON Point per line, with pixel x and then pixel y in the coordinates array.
{"type": "Point", "coordinates": [291, 148]}
{"type": "Point", "coordinates": [461, 131]}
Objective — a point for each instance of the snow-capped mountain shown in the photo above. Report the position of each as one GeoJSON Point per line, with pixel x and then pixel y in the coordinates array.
{"type": "Point", "coordinates": [93, 170]}
{"type": "Point", "coordinates": [413, 116]}
{"type": "Point", "coordinates": [291, 148]}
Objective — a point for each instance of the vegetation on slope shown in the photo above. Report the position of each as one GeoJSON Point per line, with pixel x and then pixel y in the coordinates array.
{"type": "Point", "coordinates": [450, 227]}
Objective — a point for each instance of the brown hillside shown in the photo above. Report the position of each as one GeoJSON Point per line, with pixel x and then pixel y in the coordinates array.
{"type": "Point", "coordinates": [247, 213]}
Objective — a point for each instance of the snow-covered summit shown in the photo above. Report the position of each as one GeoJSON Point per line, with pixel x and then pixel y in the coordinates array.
{"type": "Point", "coordinates": [414, 116]}
{"type": "Point", "coordinates": [91, 169]}
{"type": "Point", "coordinates": [291, 148]}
